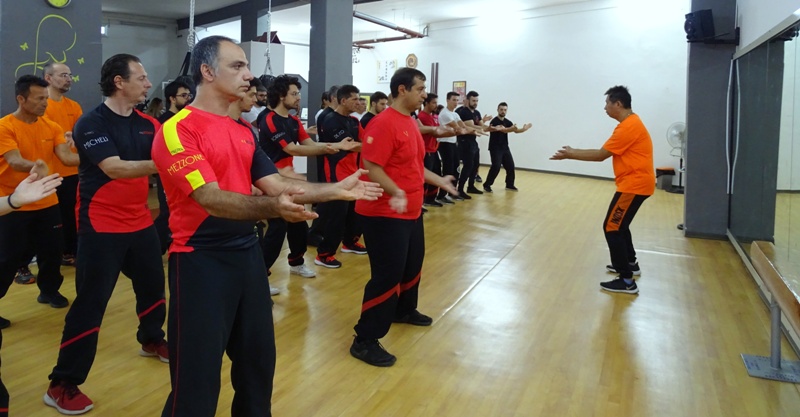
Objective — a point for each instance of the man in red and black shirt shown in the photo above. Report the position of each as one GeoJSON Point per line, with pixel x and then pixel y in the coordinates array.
{"type": "Point", "coordinates": [393, 151]}
{"type": "Point", "coordinates": [377, 103]}
{"type": "Point", "coordinates": [115, 230]}
{"type": "Point", "coordinates": [338, 217]}
{"type": "Point", "coordinates": [282, 137]}
{"type": "Point", "coordinates": [432, 161]}
{"type": "Point", "coordinates": [220, 303]}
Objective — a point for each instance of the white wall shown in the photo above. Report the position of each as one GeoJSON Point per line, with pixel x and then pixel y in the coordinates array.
{"type": "Point", "coordinates": [757, 17]}
{"type": "Point", "coordinates": [553, 67]}
{"type": "Point", "coordinates": [156, 44]}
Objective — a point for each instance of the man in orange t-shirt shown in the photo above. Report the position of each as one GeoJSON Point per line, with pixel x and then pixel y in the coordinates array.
{"type": "Point", "coordinates": [65, 113]}
{"type": "Point", "coordinates": [25, 138]}
{"type": "Point", "coordinates": [632, 151]}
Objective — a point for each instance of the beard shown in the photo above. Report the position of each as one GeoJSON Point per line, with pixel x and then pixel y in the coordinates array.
{"type": "Point", "coordinates": [260, 103]}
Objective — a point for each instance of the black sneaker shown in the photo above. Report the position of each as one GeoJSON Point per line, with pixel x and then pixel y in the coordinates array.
{"type": "Point", "coordinates": [327, 262]}
{"type": "Point", "coordinates": [473, 190]}
{"type": "Point", "coordinates": [444, 201]}
{"type": "Point", "coordinates": [634, 268]}
{"type": "Point", "coordinates": [457, 197]}
{"type": "Point", "coordinates": [432, 203]}
{"type": "Point", "coordinates": [511, 188]}
{"type": "Point", "coordinates": [464, 196]}
{"type": "Point", "coordinates": [55, 300]}
{"type": "Point", "coordinates": [618, 285]}
{"type": "Point", "coordinates": [4, 323]}
{"type": "Point", "coordinates": [416, 318]}
{"type": "Point", "coordinates": [371, 352]}
{"type": "Point", "coordinates": [67, 260]}
{"type": "Point", "coordinates": [24, 276]}
{"type": "Point", "coordinates": [487, 188]}
{"type": "Point", "coordinates": [478, 178]}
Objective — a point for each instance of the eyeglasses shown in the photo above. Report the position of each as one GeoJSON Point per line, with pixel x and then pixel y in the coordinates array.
{"type": "Point", "coordinates": [187, 96]}
{"type": "Point", "coordinates": [295, 94]}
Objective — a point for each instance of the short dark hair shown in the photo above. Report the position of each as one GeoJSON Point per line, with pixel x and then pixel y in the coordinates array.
{"type": "Point", "coordinates": [118, 64]}
{"type": "Point", "coordinates": [24, 83]}
{"type": "Point", "coordinates": [256, 83]}
{"type": "Point", "coordinates": [377, 96]}
{"type": "Point", "coordinates": [332, 92]}
{"type": "Point", "coordinates": [346, 91]}
{"type": "Point", "coordinates": [471, 94]}
{"type": "Point", "coordinates": [429, 98]}
{"type": "Point", "coordinates": [405, 76]}
{"type": "Point", "coordinates": [280, 88]}
{"type": "Point", "coordinates": [325, 97]}
{"type": "Point", "coordinates": [502, 103]}
{"type": "Point", "coordinates": [205, 52]}
{"type": "Point", "coordinates": [452, 94]}
{"type": "Point", "coordinates": [438, 109]}
{"type": "Point", "coordinates": [619, 93]}
{"type": "Point", "coordinates": [171, 90]}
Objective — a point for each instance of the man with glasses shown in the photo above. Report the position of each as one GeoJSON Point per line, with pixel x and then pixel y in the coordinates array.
{"type": "Point", "coordinates": [178, 94]}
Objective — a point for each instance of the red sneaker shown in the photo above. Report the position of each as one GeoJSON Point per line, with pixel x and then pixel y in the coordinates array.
{"type": "Point", "coordinates": [67, 398]}
{"type": "Point", "coordinates": [154, 349]}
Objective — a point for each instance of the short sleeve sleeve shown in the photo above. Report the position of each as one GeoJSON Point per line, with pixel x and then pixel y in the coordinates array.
{"type": "Point", "coordinates": [8, 139]}
{"type": "Point", "coordinates": [180, 159]}
{"type": "Point", "coordinates": [378, 146]}
{"type": "Point", "coordinates": [619, 141]}
{"type": "Point", "coordinates": [262, 165]}
{"type": "Point", "coordinates": [93, 141]}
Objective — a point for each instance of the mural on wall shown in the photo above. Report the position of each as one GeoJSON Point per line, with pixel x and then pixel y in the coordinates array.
{"type": "Point", "coordinates": [55, 37]}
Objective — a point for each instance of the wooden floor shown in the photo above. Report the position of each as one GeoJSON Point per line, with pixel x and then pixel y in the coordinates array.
{"type": "Point", "coordinates": [521, 327]}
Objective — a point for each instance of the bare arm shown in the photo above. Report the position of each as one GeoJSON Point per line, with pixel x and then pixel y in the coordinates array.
{"type": "Point", "coordinates": [230, 205]}
{"type": "Point", "coordinates": [595, 155]}
{"type": "Point", "coordinates": [28, 191]}
{"type": "Point", "coordinates": [445, 183]}
{"type": "Point", "coordinates": [398, 202]}
{"type": "Point", "coordinates": [350, 188]}
{"type": "Point", "coordinates": [116, 168]}
{"type": "Point", "coordinates": [66, 156]}
{"type": "Point", "coordinates": [309, 148]}
{"type": "Point", "coordinates": [18, 163]}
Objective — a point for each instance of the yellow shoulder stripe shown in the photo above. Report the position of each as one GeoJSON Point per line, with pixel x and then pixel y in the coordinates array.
{"type": "Point", "coordinates": [170, 130]}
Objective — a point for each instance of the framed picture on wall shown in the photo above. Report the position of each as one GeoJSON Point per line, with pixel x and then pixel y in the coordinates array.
{"type": "Point", "coordinates": [460, 87]}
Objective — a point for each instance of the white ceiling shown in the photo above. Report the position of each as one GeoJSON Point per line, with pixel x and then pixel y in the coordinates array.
{"type": "Point", "coordinates": [413, 14]}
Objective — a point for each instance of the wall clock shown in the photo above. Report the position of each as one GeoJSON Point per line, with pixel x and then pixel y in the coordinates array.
{"type": "Point", "coordinates": [58, 3]}
{"type": "Point", "coordinates": [411, 61]}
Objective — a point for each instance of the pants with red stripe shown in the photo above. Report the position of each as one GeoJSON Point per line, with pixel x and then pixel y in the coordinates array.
{"type": "Point", "coordinates": [219, 303]}
{"type": "Point", "coordinates": [3, 391]}
{"type": "Point", "coordinates": [396, 250]}
{"type": "Point", "coordinates": [272, 242]}
{"type": "Point", "coordinates": [341, 226]}
{"type": "Point", "coordinates": [616, 226]}
{"type": "Point", "coordinates": [100, 259]}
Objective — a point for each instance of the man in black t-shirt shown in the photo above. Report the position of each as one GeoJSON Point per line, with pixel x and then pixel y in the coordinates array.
{"type": "Point", "coordinates": [338, 217]}
{"type": "Point", "coordinates": [378, 102]}
{"type": "Point", "coordinates": [282, 137]}
{"type": "Point", "coordinates": [468, 145]}
{"type": "Point", "coordinates": [115, 230]}
{"type": "Point", "coordinates": [498, 148]}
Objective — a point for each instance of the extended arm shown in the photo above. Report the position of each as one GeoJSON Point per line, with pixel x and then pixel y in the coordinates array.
{"type": "Point", "coordinates": [231, 205]}
{"type": "Point", "coordinates": [116, 168]}
{"type": "Point", "coordinates": [595, 155]}
{"type": "Point", "coordinates": [351, 188]}
{"type": "Point", "coordinates": [28, 191]}
{"type": "Point", "coordinates": [66, 156]}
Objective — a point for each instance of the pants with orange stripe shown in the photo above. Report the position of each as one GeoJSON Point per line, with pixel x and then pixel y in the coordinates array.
{"type": "Point", "coordinates": [100, 259]}
{"type": "Point", "coordinates": [396, 250]}
{"type": "Point", "coordinates": [219, 303]}
{"type": "Point", "coordinates": [616, 226]}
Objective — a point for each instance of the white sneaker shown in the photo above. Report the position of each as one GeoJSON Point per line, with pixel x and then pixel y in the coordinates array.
{"type": "Point", "coordinates": [303, 271]}
{"type": "Point", "coordinates": [274, 290]}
